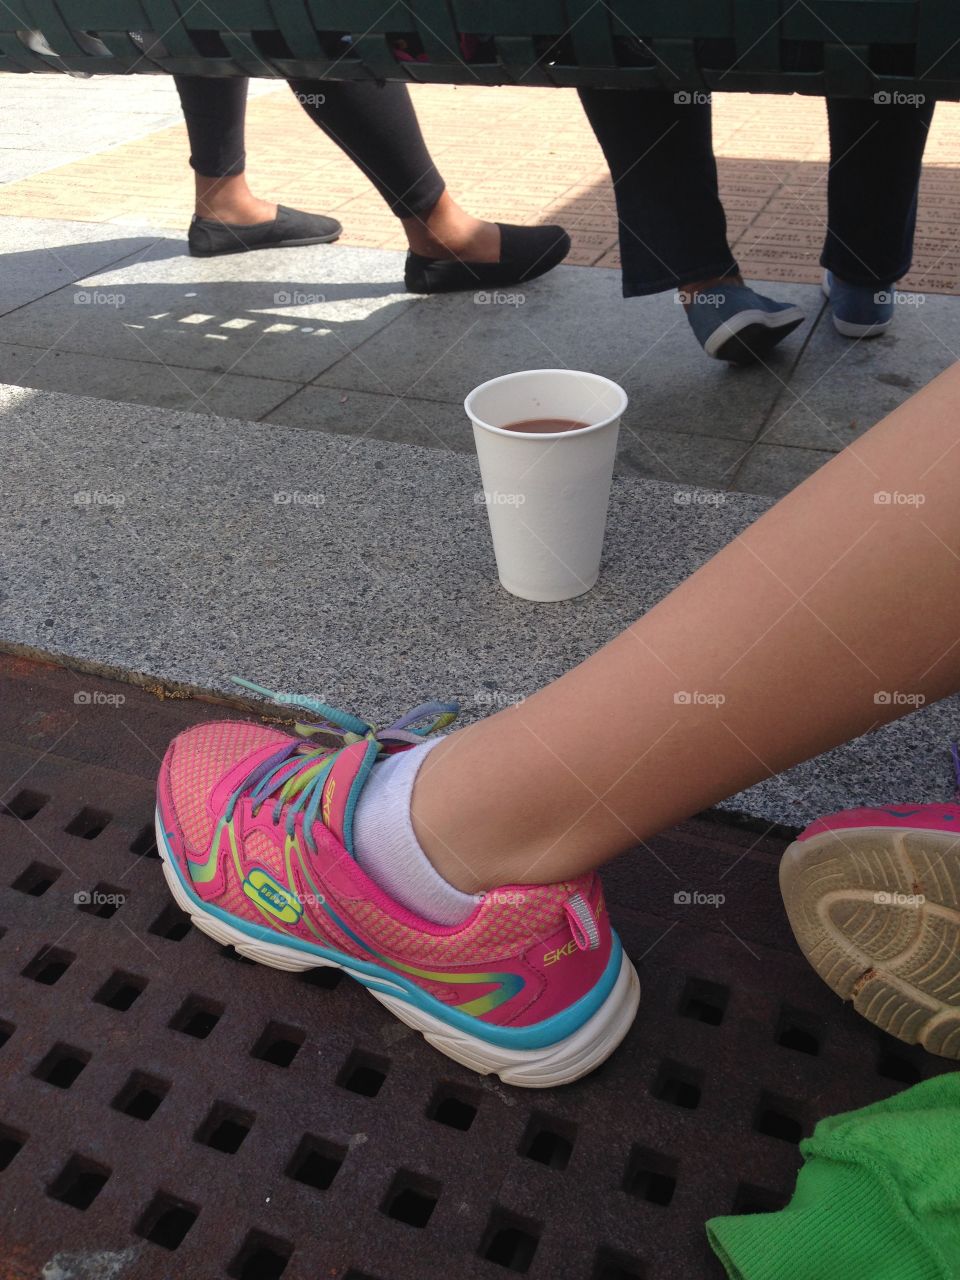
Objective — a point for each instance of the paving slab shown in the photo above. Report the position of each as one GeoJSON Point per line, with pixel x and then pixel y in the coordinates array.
{"type": "Point", "coordinates": [281, 314]}
{"type": "Point", "coordinates": [141, 382]}
{"type": "Point", "coordinates": [576, 318]}
{"type": "Point", "coordinates": [43, 255]}
{"type": "Point", "coordinates": [840, 387]}
{"type": "Point", "coordinates": [181, 548]}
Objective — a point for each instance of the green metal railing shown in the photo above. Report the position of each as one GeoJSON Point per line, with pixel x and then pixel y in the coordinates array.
{"type": "Point", "coordinates": [853, 48]}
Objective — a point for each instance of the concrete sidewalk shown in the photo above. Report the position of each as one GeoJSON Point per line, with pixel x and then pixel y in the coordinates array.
{"type": "Point", "coordinates": [326, 339]}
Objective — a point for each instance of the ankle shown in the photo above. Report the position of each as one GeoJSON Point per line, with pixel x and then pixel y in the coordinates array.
{"type": "Point", "coordinates": [230, 200]}
{"type": "Point", "coordinates": [448, 231]}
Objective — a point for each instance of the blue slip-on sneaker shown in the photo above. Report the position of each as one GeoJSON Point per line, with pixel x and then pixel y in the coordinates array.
{"type": "Point", "coordinates": [734, 323]}
{"type": "Point", "coordinates": [859, 310]}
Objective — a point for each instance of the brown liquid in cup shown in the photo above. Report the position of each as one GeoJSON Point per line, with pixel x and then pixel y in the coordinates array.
{"type": "Point", "coordinates": [546, 426]}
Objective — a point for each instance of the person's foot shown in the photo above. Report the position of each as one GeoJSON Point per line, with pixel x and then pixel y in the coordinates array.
{"type": "Point", "coordinates": [210, 237]}
{"type": "Point", "coordinates": [733, 322]}
{"type": "Point", "coordinates": [859, 311]}
{"type": "Point", "coordinates": [522, 254]}
{"type": "Point", "coordinates": [254, 828]}
{"type": "Point", "coordinates": [873, 898]}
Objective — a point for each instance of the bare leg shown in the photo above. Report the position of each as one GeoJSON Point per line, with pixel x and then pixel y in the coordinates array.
{"type": "Point", "coordinates": [230, 200]}
{"type": "Point", "coordinates": [829, 598]}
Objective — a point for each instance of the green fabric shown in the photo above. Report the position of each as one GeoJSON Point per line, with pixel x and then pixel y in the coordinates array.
{"type": "Point", "coordinates": [878, 1198]}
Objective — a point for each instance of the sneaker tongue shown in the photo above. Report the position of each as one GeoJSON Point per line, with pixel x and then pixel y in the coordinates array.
{"type": "Point", "coordinates": [341, 789]}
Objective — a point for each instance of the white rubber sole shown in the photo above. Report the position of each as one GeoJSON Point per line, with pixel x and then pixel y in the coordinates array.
{"type": "Point", "coordinates": [876, 911]}
{"type": "Point", "coordinates": [772, 322]}
{"type": "Point", "coordinates": [561, 1063]}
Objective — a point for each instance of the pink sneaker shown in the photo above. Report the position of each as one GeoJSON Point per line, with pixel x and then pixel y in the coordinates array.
{"type": "Point", "coordinates": [873, 898]}
{"type": "Point", "coordinates": [254, 826]}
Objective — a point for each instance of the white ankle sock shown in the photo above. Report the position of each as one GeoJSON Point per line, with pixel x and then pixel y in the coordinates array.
{"type": "Point", "coordinates": [386, 846]}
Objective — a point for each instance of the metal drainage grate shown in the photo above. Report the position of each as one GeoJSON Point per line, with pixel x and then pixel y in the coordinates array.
{"type": "Point", "coordinates": [168, 1108]}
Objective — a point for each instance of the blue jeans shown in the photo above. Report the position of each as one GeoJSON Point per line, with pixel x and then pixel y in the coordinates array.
{"type": "Point", "coordinates": [673, 230]}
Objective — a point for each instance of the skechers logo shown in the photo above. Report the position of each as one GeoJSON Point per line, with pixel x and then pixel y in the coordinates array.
{"type": "Point", "coordinates": [262, 889]}
{"type": "Point", "coordinates": [560, 953]}
{"type": "Point", "coordinates": [328, 801]}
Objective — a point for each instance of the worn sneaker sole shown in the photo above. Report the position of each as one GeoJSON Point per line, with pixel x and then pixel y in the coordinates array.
{"type": "Point", "coordinates": [558, 1063]}
{"type": "Point", "coordinates": [748, 336]}
{"type": "Point", "coordinates": [876, 911]}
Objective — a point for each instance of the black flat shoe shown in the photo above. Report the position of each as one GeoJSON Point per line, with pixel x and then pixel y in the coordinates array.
{"type": "Point", "coordinates": [525, 253]}
{"type": "Point", "coordinates": [208, 238]}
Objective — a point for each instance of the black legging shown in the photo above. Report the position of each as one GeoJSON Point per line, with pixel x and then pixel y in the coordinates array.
{"type": "Point", "coordinates": [375, 125]}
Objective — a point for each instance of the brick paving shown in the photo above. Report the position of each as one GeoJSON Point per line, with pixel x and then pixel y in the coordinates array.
{"type": "Point", "coordinates": [521, 155]}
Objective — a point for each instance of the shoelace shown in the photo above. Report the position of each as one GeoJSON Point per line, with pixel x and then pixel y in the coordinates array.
{"type": "Point", "coordinates": [296, 772]}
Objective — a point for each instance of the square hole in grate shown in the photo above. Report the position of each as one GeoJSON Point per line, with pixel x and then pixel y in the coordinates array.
{"type": "Point", "coordinates": [316, 1162]}
{"type": "Point", "coordinates": [166, 1220]}
{"type": "Point", "coordinates": [510, 1241]}
{"type": "Point", "coordinates": [172, 924]}
{"type": "Point", "coordinates": [548, 1141]}
{"type": "Point", "coordinates": [893, 1065]}
{"type": "Point", "coordinates": [141, 1095]}
{"type": "Point", "coordinates": [261, 1257]}
{"type": "Point", "coordinates": [778, 1118]}
{"type": "Point", "coordinates": [704, 1001]}
{"type": "Point", "coordinates": [363, 1073]}
{"type": "Point", "coordinates": [61, 1066]}
{"type": "Point", "coordinates": [24, 805]}
{"type": "Point", "coordinates": [751, 1199]}
{"type": "Point", "coordinates": [324, 976]}
{"type": "Point", "coordinates": [144, 845]}
{"type": "Point", "coordinates": [49, 965]}
{"type": "Point", "coordinates": [88, 823]}
{"type": "Point", "coordinates": [196, 1017]}
{"type": "Point", "coordinates": [678, 1084]}
{"type": "Point", "coordinates": [11, 1140]}
{"type": "Point", "coordinates": [225, 1128]}
{"type": "Point", "coordinates": [358, 1275]}
{"type": "Point", "coordinates": [6, 1031]}
{"type": "Point", "coordinates": [650, 1175]}
{"type": "Point", "coordinates": [79, 1182]}
{"type": "Point", "coordinates": [610, 1264]}
{"type": "Point", "coordinates": [454, 1106]}
{"type": "Point", "coordinates": [411, 1199]}
{"type": "Point", "coordinates": [120, 991]}
{"type": "Point", "coordinates": [104, 901]}
{"type": "Point", "coordinates": [279, 1044]}
{"type": "Point", "coordinates": [36, 880]}
{"type": "Point", "coordinates": [799, 1031]}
